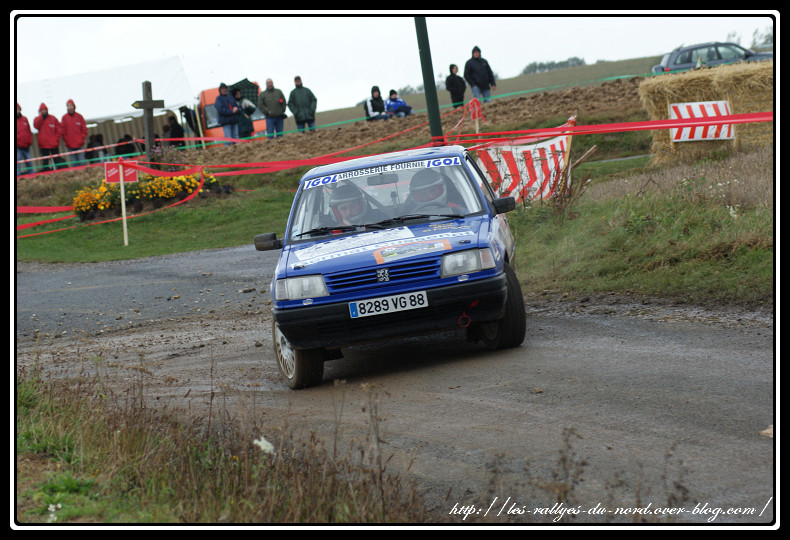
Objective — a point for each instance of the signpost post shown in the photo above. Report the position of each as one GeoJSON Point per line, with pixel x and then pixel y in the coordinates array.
{"type": "Point", "coordinates": [114, 173]}
{"type": "Point", "coordinates": [148, 104]}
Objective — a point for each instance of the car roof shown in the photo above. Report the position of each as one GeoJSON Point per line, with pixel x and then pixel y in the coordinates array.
{"type": "Point", "coordinates": [381, 159]}
{"type": "Point", "coordinates": [707, 44]}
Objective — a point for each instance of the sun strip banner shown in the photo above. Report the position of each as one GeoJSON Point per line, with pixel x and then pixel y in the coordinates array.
{"type": "Point", "coordinates": [701, 109]}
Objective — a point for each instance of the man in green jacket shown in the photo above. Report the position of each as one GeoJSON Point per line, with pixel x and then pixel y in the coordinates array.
{"type": "Point", "coordinates": [271, 102]}
{"type": "Point", "coordinates": [302, 104]}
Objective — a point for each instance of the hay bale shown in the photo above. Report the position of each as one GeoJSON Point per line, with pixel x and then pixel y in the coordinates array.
{"type": "Point", "coordinates": [748, 86]}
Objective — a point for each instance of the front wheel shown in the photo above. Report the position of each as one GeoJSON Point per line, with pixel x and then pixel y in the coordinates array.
{"type": "Point", "coordinates": [299, 368]}
{"type": "Point", "coordinates": [510, 330]}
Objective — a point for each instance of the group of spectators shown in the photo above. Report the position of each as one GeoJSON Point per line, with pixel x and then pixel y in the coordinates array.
{"type": "Point", "coordinates": [479, 75]}
{"type": "Point", "coordinates": [234, 116]}
{"type": "Point", "coordinates": [477, 72]}
{"type": "Point", "coordinates": [234, 112]}
{"type": "Point", "coordinates": [71, 128]}
{"type": "Point", "coordinates": [376, 108]}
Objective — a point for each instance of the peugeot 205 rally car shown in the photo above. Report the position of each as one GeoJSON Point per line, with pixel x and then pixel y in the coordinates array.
{"type": "Point", "coordinates": [390, 246]}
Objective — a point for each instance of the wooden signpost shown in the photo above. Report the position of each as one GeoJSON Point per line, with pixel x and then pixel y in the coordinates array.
{"type": "Point", "coordinates": [148, 104]}
{"type": "Point", "coordinates": [114, 173]}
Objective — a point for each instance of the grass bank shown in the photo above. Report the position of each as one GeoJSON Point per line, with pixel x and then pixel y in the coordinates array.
{"type": "Point", "coordinates": [698, 232]}
{"type": "Point", "coordinates": [88, 455]}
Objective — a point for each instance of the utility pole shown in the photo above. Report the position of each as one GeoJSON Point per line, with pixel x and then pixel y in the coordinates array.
{"type": "Point", "coordinates": [431, 100]}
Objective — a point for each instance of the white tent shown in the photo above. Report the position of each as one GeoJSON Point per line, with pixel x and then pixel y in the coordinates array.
{"type": "Point", "coordinates": [108, 94]}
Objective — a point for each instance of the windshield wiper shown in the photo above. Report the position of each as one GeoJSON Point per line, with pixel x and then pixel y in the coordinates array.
{"type": "Point", "coordinates": [324, 230]}
{"type": "Point", "coordinates": [379, 224]}
{"type": "Point", "coordinates": [407, 217]}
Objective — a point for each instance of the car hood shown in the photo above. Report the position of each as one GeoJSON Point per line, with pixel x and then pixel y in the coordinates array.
{"type": "Point", "coordinates": [372, 248]}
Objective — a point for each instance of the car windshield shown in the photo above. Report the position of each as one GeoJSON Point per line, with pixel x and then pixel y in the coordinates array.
{"type": "Point", "coordinates": [382, 196]}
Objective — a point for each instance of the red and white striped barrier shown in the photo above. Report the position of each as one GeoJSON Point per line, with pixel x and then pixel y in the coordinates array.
{"type": "Point", "coordinates": [526, 172]}
{"type": "Point", "coordinates": [701, 109]}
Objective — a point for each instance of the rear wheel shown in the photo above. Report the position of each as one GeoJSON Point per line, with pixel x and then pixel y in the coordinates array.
{"type": "Point", "coordinates": [510, 330]}
{"type": "Point", "coordinates": [299, 368]}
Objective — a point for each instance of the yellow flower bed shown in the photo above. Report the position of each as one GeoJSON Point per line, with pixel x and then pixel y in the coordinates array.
{"type": "Point", "coordinates": [106, 196]}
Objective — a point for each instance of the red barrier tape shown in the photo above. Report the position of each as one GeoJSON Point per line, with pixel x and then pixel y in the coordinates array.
{"type": "Point", "coordinates": [484, 139]}
{"type": "Point", "coordinates": [532, 135]}
{"type": "Point", "coordinates": [37, 223]}
{"type": "Point", "coordinates": [41, 209]}
{"type": "Point", "coordinates": [185, 199]}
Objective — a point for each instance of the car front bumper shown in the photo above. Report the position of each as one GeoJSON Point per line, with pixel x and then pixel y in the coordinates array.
{"type": "Point", "coordinates": [331, 326]}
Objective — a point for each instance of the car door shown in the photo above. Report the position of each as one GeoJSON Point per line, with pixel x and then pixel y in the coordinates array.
{"type": "Point", "coordinates": [711, 56]}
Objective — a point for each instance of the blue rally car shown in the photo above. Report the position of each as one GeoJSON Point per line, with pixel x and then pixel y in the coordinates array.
{"type": "Point", "coordinates": [390, 246]}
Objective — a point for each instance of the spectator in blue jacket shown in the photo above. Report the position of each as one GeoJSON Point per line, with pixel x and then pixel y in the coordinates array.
{"type": "Point", "coordinates": [227, 111]}
{"type": "Point", "coordinates": [396, 106]}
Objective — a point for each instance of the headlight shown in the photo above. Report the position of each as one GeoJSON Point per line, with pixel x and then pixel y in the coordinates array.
{"type": "Point", "coordinates": [466, 262]}
{"type": "Point", "coordinates": [300, 287]}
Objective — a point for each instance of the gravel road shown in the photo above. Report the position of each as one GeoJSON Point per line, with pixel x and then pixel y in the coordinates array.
{"type": "Point", "coordinates": [626, 403]}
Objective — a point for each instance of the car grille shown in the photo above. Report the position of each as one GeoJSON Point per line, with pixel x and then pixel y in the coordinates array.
{"type": "Point", "coordinates": [381, 276]}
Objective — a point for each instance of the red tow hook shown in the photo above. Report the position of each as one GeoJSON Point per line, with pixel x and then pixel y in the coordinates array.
{"type": "Point", "coordinates": [464, 320]}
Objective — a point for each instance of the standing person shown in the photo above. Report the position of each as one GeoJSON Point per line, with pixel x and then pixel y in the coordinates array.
{"type": "Point", "coordinates": [176, 132]}
{"type": "Point", "coordinates": [101, 153]}
{"type": "Point", "coordinates": [24, 138]}
{"type": "Point", "coordinates": [479, 75]}
{"type": "Point", "coordinates": [227, 110]}
{"type": "Point", "coordinates": [74, 132]}
{"type": "Point", "coordinates": [88, 155]}
{"type": "Point", "coordinates": [302, 104]}
{"type": "Point", "coordinates": [49, 133]}
{"type": "Point", "coordinates": [375, 108]}
{"type": "Point", "coordinates": [272, 104]}
{"type": "Point", "coordinates": [246, 108]}
{"type": "Point", "coordinates": [456, 86]}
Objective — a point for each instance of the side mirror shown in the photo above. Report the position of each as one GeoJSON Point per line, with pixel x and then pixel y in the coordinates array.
{"type": "Point", "coordinates": [504, 205]}
{"type": "Point", "coordinates": [267, 241]}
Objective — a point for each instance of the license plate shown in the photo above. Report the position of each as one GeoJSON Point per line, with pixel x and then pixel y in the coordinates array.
{"type": "Point", "coordinates": [388, 304]}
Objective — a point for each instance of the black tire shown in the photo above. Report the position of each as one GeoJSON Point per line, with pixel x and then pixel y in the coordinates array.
{"type": "Point", "coordinates": [510, 330]}
{"type": "Point", "coordinates": [299, 368]}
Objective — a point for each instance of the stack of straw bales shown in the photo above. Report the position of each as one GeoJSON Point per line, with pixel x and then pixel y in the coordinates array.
{"type": "Point", "coordinates": [749, 88]}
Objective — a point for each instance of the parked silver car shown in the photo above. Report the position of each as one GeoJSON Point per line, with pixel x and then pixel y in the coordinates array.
{"type": "Point", "coordinates": [708, 54]}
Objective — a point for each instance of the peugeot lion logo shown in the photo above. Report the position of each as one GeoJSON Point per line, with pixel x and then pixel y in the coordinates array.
{"type": "Point", "coordinates": [382, 274]}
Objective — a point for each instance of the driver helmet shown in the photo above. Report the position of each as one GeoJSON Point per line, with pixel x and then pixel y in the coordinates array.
{"type": "Point", "coordinates": [427, 186]}
{"type": "Point", "coordinates": [348, 204]}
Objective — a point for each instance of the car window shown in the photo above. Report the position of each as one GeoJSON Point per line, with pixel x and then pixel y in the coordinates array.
{"type": "Point", "coordinates": [729, 52]}
{"type": "Point", "coordinates": [485, 187]}
{"type": "Point", "coordinates": [685, 57]}
{"type": "Point", "coordinates": [339, 202]}
{"type": "Point", "coordinates": [212, 118]}
{"type": "Point", "coordinates": [697, 55]}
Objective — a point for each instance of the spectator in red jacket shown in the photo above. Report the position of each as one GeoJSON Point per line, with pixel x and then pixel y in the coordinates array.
{"type": "Point", "coordinates": [49, 132]}
{"type": "Point", "coordinates": [75, 131]}
{"type": "Point", "coordinates": [24, 138]}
